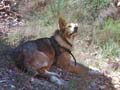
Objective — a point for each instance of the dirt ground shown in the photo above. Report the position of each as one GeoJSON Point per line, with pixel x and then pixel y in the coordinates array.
{"type": "Point", "coordinates": [12, 79]}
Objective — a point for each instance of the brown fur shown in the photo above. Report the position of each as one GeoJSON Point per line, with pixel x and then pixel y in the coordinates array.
{"type": "Point", "coordinates": [39, 54]}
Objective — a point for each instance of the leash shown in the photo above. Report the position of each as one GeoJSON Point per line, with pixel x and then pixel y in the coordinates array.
{"type": "Point", "coordinates": [57, 51]}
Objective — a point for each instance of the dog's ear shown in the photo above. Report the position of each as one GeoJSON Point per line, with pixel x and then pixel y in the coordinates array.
{"type": "Point", "coordinates": [62, 23]}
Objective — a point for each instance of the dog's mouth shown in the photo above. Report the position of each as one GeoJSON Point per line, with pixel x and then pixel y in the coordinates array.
{"type": "Point", "coordinates": [73, 33]}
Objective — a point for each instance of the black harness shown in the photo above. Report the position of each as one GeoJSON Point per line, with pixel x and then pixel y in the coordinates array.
{"type": "Point", "coordinates": [57, 47]}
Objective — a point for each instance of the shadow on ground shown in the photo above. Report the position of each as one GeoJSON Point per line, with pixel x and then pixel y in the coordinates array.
{"type": "Point", "coordinates": [12, 79]}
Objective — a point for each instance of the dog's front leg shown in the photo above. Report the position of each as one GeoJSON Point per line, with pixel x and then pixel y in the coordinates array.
{"type": "Point", "coordinates": [65, 62]}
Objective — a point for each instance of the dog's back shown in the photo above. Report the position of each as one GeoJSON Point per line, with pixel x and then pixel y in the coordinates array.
{"type": "Point", "coordinates": [31, 50]}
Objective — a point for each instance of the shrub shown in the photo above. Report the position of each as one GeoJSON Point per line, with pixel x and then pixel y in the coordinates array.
{"type": "Point", "coordinates": [110, 49]}
{"type": "Point", "coordinates": [93, 7]}
{"type": "Point", "coordinates": [113, 26]}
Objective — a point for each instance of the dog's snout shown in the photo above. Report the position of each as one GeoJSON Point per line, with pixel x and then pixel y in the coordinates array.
{"type": "Point", "coordinates": [75, 29]}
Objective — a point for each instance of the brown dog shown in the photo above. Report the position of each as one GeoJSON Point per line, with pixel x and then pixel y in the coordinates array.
{"type": "Point", "coordinates": [39, 55]}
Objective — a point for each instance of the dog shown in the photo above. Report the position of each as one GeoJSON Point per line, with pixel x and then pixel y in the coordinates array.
{"type": "Point", "coordinates": [41, 54]}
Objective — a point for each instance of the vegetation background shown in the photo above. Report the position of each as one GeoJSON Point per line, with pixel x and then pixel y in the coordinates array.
{"type": "Point", "coordinates": [97, 45]}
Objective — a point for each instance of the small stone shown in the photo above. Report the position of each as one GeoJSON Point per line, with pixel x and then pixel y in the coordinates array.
{"type": "Point", "coordinates": [1, 81]}
{"type": "Point", "coordinates": [102, 87]}
{"type": "Point", "coordinates": [115, 80]}
{"type": "Point", "coordinates": [12, 86]}
{"type": "Point", "coordinates": [32, 79]}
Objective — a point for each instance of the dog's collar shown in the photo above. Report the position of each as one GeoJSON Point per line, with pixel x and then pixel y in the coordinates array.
{"type": "Point", "coordinates": [56, 47]}
{"type": "Point", "coordinates": [59, 32]}
{"type": "Point", "coordinates": [66, 41]}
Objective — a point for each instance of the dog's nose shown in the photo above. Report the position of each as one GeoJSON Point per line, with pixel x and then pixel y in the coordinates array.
{"type": "Point", "coordinates": [75, 29]}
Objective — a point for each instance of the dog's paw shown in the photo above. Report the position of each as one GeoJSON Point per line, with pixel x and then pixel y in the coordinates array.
{"type": "Point", "coordinates": [57, 75]}
{"type": "Point", "coordinates": [94, 72]}
{"type": "Point", "coordinates": [52, 74]}
{"type": "Point", "coordinates": [56, 80]}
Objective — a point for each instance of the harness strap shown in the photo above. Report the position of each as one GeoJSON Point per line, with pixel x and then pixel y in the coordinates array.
{"type": "Point", "coordinates": [66, 41]}
{"type": "Point", "coordinates": [67, 50]}
{"type": "Point", "coordinates": [56, 47]}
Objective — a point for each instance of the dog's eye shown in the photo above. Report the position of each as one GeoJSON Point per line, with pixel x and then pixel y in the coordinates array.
{"type": "Point", "coordinates": [69, 26]}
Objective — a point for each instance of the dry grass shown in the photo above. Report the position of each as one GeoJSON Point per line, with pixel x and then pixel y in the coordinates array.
{"type": "Point", "coordinates": [93, 44]}
{"type": "Point", "coordinates": [91, 39]}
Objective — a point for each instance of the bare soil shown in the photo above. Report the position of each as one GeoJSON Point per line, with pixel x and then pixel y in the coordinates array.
{"type": "Point", "coordinates": [13, 79]}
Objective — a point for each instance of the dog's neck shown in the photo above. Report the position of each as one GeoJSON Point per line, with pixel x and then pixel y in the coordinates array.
{"type": "Point", "coordinates": [62, 42]}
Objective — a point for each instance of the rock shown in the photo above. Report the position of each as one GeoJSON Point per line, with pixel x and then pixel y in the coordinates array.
{"type": "Point", "coordinates": [115, 80]}
{"type": "Point", "coordinates": [12, 86]}
{"type": "Point", "coordinates": [102, 87]}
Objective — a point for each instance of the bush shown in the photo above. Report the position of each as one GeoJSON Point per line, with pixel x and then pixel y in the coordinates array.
{"type": "Point", "coordinates": [93, 7]}
{"type": "Point", "coordinates": [113, 26]}
{"type": "Point", "coordinates": [110, 49]}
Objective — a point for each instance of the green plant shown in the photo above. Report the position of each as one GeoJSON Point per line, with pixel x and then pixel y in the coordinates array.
{"type": "Point", "coordinates": [108, 38]}
{"type": "Point", "coordinates": [113, 26]}
{"type": "Point", "coordinates": [57, 6]}
{"type": "Point", "coordinates": [93, 7]}
{"type": "Point", "coordinates": [110, 49]}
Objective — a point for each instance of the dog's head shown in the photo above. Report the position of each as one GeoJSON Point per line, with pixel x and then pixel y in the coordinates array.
{"type": "Point", "coordinates": [68, 29]}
